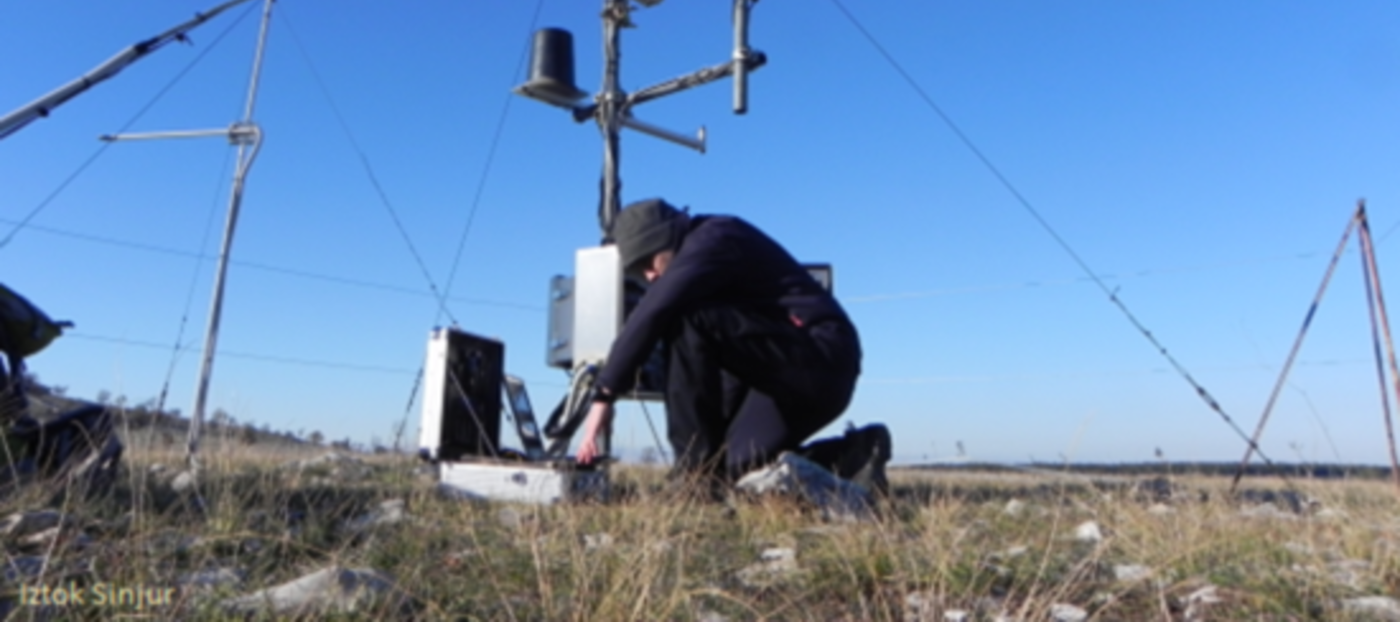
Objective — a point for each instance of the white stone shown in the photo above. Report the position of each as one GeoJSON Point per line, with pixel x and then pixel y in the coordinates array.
{"type": "Point", "coordinates": [21, 524]}
{"type": "Point", "coordinates": [333, 589]}
{"type": "Point", "coordinates": [794, 475]}
{"type": "Point", "coordinates": [70, 539]}
{"type": "Point", "coordinates": [1088, 532]}
{"type": "Point", "coordinates": [595, 541]}
{"type": "Point", "coordinates": [1161, 509]}
{"type": "Point", "coordinates": [183, 482]}
{"type": "Point", "coordinates": [1267, 511]}
{"type": "Point", "coordinates": [955, 615]}
{"type": "Point", "coordinates": [1331, 514]}
{"type": "Point", "coordinates": [1014, 507]}
{"type": "Point", "coordinates": [1376, 607]}
{"type": "Point", "coordinates": [710, 616]}
{"type": "Point", "coordinates": [919, 607]}
{"type": "Point", "coordinates": [1061, 612]}
{"type": "Point", "coordinates": [1198, 601]}
{"type": "Point", "coordinates": [1349, 572]}
{"type": "Point", "coordinates": [774, 565]}
{"type": "Point", "coordinates": [1014, 552]}
{"type": "Point", "coordinates": [1131, 573]}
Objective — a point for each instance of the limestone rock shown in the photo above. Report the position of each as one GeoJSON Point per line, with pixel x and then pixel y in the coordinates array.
{"type": "Point", "coordinates": [184, 482]}
{"type": "Point", "coordinates": [792, 474]}
{"type": "Point", "coordinates": [1373, 607]}
{"type": "Point", "coordinates": [920, 607]}
{"type": "Point", "coordinates": [1061, 612]}
{"type": "Point", "coordinates": [775, 565]}
{"type": "Point", "coordinates": [1198, 601]}
{"type": "Point", "coordinates": [1131, 573]}
{"type": "Point", "coordinates": [595, 541]}
{"type": "Point", "coordinates": [1014, 508]}
{"type": "Point", "coordinates": [1088, 531]}
{"type": "Point", "coordinates": [21, 524]}
{"type": "Point", "coordinates": [329, 590]}
{"type": "Point", "coordinates": [1161, 509]}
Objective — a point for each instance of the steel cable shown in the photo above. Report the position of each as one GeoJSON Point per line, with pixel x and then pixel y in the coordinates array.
{"type": "Point", "coordinates": [1026, 204]}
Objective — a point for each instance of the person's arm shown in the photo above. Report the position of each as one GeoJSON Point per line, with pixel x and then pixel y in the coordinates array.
{"type": "Point", "coordinates": [704, 266]}
{"type": "Point", "coordinates": [599, 418]}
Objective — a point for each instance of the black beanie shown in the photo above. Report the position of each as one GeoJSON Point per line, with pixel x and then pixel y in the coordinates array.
{"type": "Point", "coordinates": [646, 228]}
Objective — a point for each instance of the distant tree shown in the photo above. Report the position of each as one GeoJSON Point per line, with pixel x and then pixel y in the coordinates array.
{"type": "Point", "coordinates": [316, 438]}
{"type": "Point", "coordinates": [104, 396]}
{"type": "Point", "coordinates": [649, 456]}
{"type": "Point", "coordinates": [59, 390]}
{"type": "Point", "coordinates": [220, 418]}
{"type": "Point", "coordinates": [248, 434]}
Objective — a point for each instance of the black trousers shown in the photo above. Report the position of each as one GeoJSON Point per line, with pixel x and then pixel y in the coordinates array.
{"type": "Point", "coordinates": [744, 384]}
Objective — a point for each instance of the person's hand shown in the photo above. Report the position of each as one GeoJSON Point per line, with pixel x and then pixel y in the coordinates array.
{"type": "Point", "coordinates": [599, 416]}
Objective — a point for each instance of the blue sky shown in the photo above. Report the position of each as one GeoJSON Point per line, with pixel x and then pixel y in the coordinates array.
{"type": "Point", "coordinates": [1203, 157]}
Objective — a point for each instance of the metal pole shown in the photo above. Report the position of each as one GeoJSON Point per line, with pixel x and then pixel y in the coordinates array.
{"type": "Point", "coordinates": [1293, 352]}
{"type": "Point", "coordinates": [741, 56]}
{"type": "Point", "coordinates": [1377, 308]}
{"type": "Point", "coordinates": [609, 114]}
{"type": "Point", "coordinates": [249, 139]}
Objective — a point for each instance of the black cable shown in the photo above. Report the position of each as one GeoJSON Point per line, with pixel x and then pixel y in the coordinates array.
{"type": "Point", "coordinates": [476, 201]}
{"type": "Point", "coordinates": [267, 267]}
{"type": "Point", "coordinates": [132, 121]}
{"type": "Point", "coordinates": [1006, 183]}
{"type": "Point", "coordinates": [491, 153]}
{"type": "Point", "coordinates": [369, 170]}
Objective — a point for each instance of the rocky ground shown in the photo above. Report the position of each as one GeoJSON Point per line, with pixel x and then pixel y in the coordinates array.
{"type": "Point", "coordinates": [344, 536]}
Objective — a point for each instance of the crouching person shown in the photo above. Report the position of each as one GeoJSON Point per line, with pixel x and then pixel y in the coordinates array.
{"type": "Point", "coordinates": [761, 355]}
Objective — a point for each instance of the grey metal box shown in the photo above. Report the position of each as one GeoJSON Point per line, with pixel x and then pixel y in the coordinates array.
{"type": "Point", "coordinates": [597, 303]}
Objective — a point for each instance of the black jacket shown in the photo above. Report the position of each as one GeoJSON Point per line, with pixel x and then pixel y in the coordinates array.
{"type": "Point", "coordinates": [721, 260]}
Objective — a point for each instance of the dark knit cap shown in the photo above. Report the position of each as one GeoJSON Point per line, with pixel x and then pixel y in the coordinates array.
{"type": "Point", "coordinates": [646, 228]}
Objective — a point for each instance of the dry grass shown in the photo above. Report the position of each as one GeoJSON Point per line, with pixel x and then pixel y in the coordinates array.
{"type": "Point", "coordinates": [946, 541]}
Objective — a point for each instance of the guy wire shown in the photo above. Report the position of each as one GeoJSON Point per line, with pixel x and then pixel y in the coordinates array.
{"type": "Point", "coordinates": [1026, 204]}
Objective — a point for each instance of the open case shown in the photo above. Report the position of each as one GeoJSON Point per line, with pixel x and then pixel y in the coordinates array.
{"type": "Point", "coordinates": [465, 395]}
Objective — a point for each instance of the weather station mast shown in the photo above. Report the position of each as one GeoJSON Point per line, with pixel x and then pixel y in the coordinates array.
{"type": "Point", "coordinates": [552, 82]}
{"type": "Point", "coordinates": [587, 310]}
{"type": "Point", "coordinates": [464, 380]}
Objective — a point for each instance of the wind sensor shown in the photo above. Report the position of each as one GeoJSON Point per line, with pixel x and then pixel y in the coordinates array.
{"type": "Point", "coordinates": [460, 423]}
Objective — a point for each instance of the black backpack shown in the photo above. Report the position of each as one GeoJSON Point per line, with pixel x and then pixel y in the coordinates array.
{"type": "Point", "coordinates": [24, 330]}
